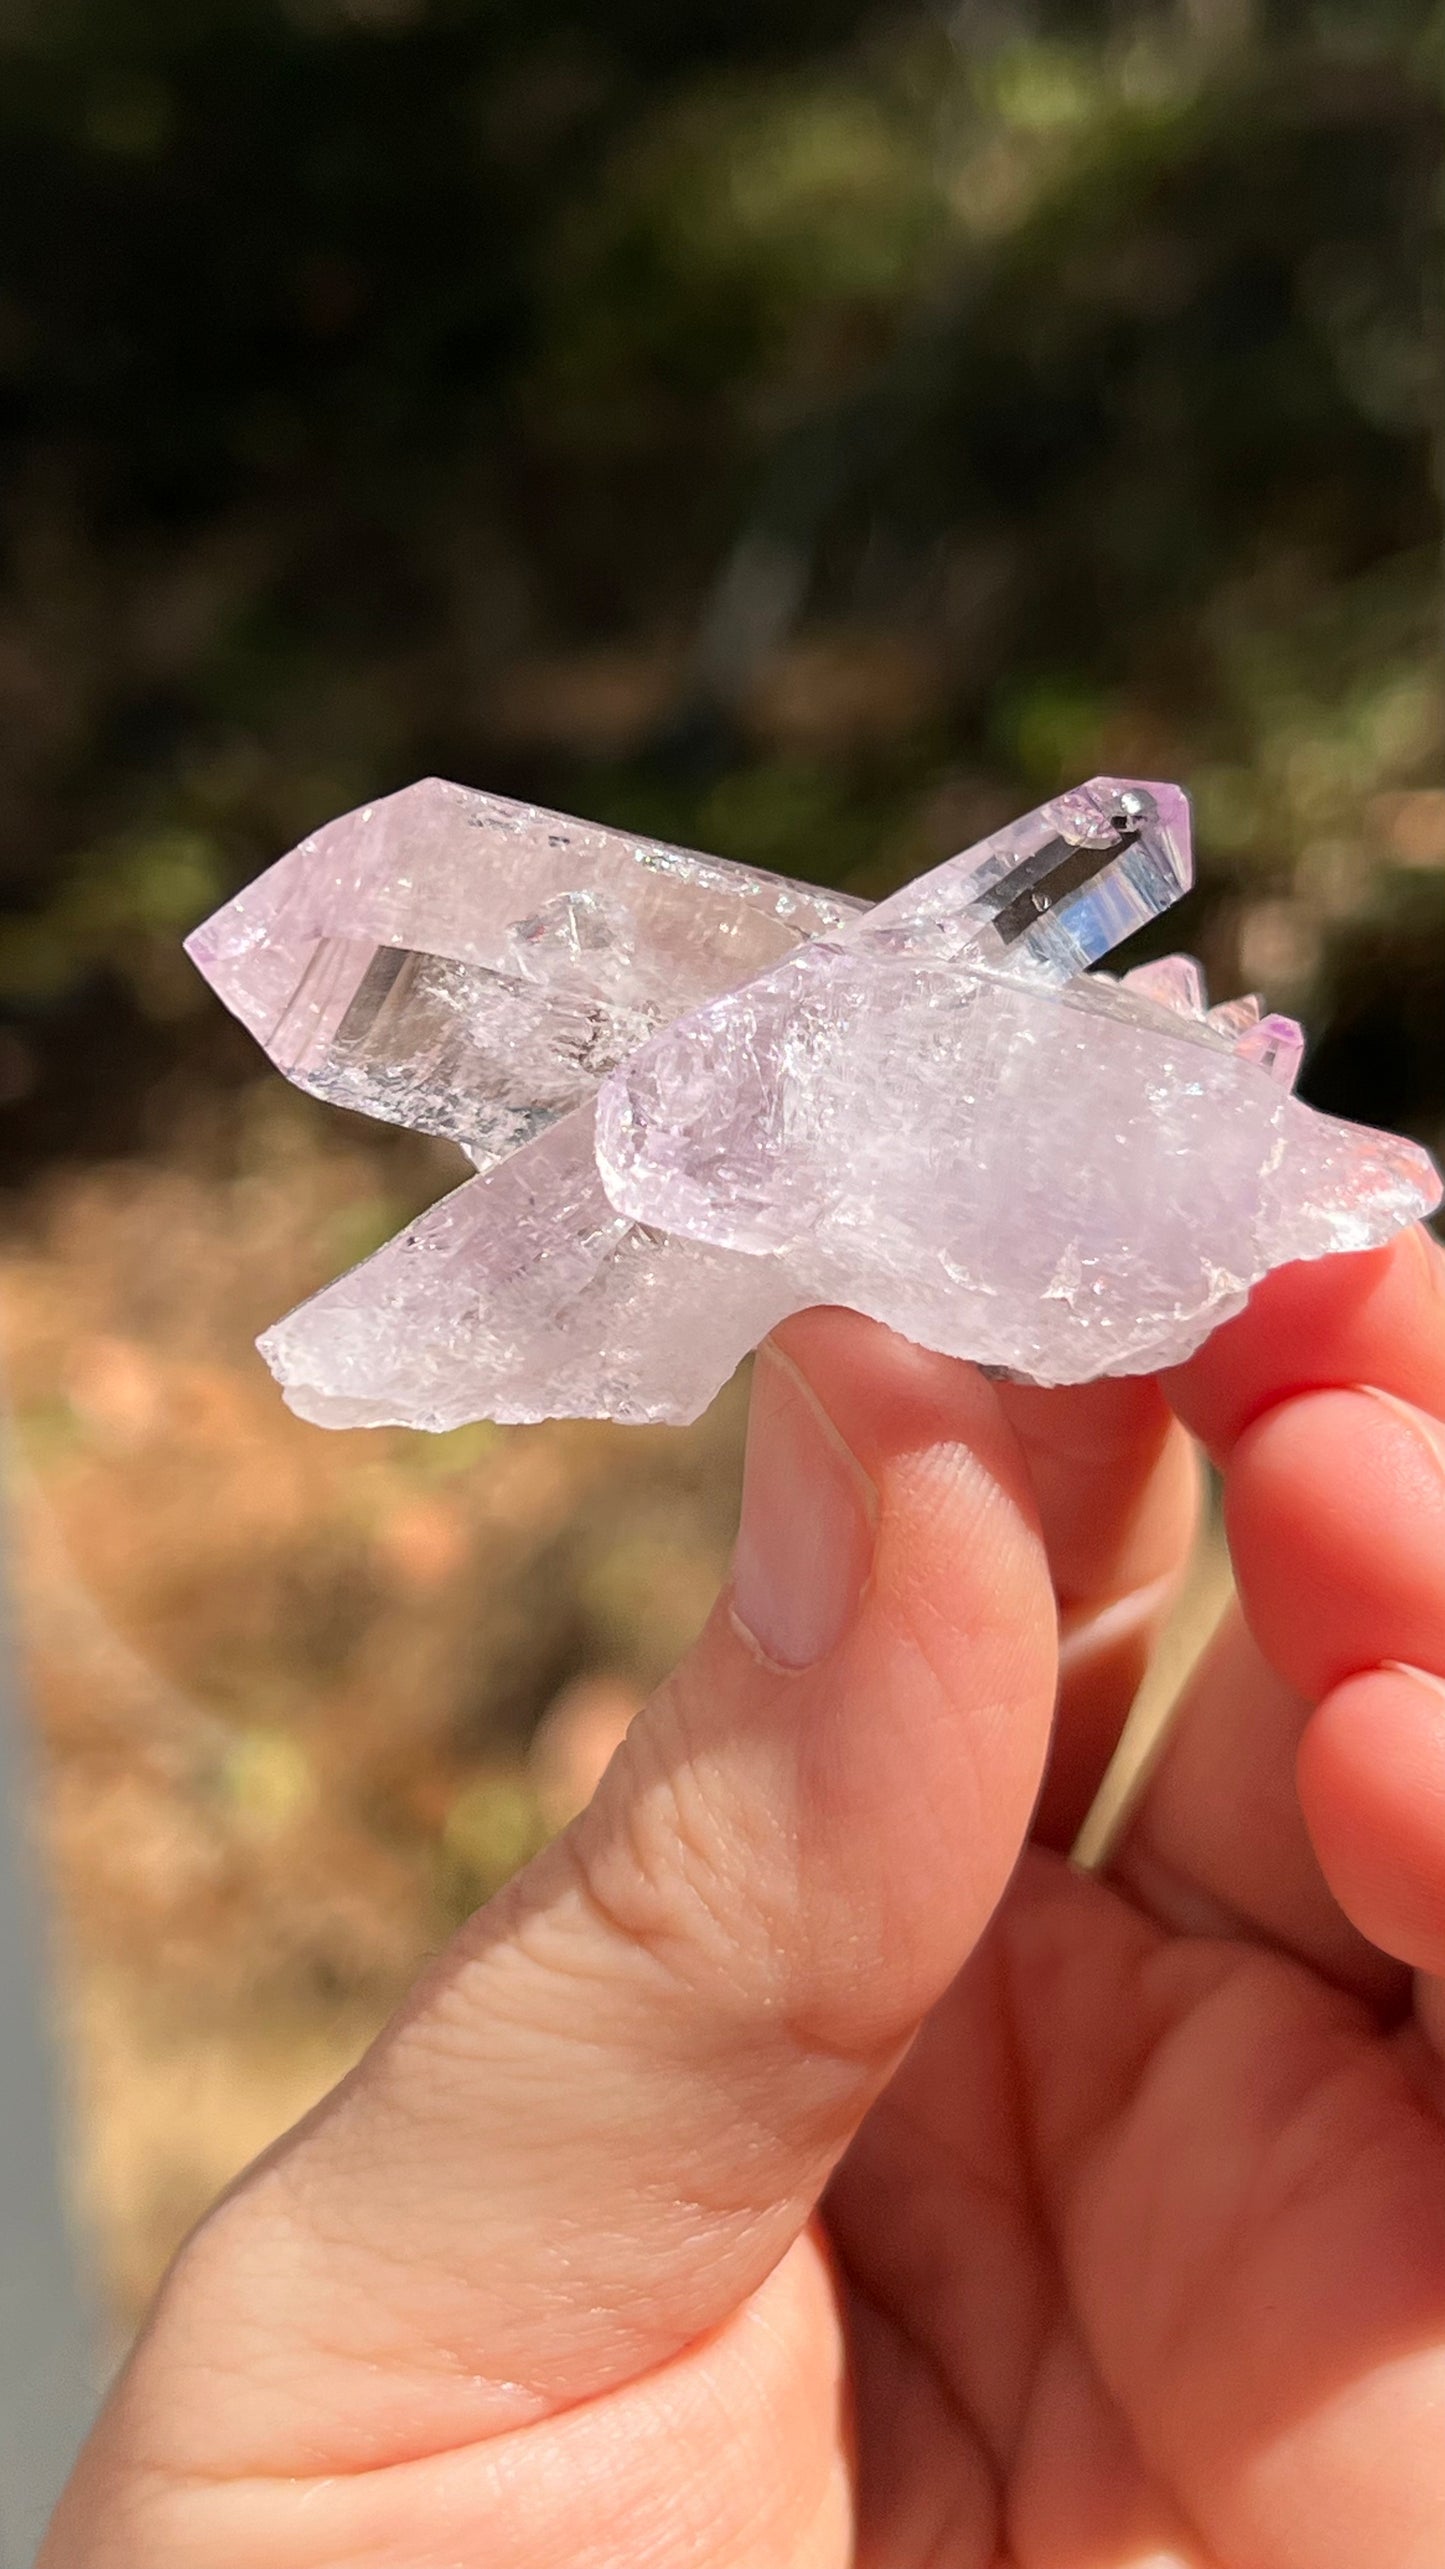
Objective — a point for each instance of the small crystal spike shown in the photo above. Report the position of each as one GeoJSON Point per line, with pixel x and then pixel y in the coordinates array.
{"type": "Point", "coordinates": [1278, 1045]}
{"type": "Point", "coordinates": [1175, 981]}
{"type": "Point", "coordinates": [702, 1098]}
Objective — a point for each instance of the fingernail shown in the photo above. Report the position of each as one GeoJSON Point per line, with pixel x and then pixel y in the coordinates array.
{"type": "Point", "coordinates": [1428, 1431]}
{"type": "Point", "coordinates": [805, 1542]}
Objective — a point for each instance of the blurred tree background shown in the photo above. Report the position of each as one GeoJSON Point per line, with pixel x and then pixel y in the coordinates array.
{"type": "Point", "coordinates": [805, 429]}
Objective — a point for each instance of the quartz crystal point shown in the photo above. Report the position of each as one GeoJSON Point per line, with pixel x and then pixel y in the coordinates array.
{"type": "Point", "coordinates": [700, 1098]}
{"type": "Point", "coordinates": [473, 967]}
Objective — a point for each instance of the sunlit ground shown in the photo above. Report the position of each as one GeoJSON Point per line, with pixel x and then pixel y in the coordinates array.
{"type": "Point", "coordinates": [304, 1698]}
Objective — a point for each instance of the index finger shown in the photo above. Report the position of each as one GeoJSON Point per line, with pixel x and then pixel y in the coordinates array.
{"type": "Point", "coordinates": [1375, 1318]}
{"type": "Point", "coordinates": [1219, 1833]}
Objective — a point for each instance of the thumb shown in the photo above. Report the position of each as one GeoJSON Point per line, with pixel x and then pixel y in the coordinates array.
{"type": "Point", "coordinates": [611, 2106]}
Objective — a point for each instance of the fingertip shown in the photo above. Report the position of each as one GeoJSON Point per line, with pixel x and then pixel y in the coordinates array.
{"type": "Point", "coordinates": [929, 1433]}
{"type": "Point", "coordinates": [1335, 1510]}
{"type": "Point", "coordinates": [889, 1399]}
{"type": "Point", "coordinates": [1371, 1780]}
{"type": "Point", "coordinates": [1377, 1317]}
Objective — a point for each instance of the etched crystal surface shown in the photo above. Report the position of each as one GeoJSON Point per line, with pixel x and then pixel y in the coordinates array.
{"type": "Point", "coordinates": [523, 1295]}
{"type": "Point", "coordinates": [701, 1098]}
{"type": "Point", "coordinates": [1060, 1180]}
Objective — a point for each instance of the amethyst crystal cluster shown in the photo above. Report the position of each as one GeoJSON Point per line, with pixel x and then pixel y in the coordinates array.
{"type": "Point", "coordinates": [698, 1098]}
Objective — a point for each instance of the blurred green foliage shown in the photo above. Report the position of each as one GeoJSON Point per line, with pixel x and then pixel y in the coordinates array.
{"type": "Point", "coordinates": [808, 429]}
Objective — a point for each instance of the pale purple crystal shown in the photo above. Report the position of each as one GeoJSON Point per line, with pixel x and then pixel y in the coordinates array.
{"type": "Point", "coordinates": [1176, 981]}
{"type": "Point", "coordinates": [1046, 896]}
{"type": "Point", "coordinates": [473, 967]}
{"type": "Point", "coordinates": [523, 1295]}
{"type": "Point", "coordinates": [1277, 1044]}
{"type": "Point", "coordinates": [1047, 1179]}
{"type": "Point", "coordinates": [702, 1098]}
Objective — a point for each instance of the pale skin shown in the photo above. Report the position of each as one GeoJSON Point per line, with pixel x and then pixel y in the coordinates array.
{"type": "Point", "coordinates": [800, 2164]}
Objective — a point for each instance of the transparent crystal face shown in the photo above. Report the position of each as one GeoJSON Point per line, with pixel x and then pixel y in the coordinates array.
{"type": "Point", "coordinates": [487, 1058]}
{"type": "Point", "coordinates": [472, 967]}
{"type": "Point", "coordinates": [700, 1097]}
{"type": "Point", "coordinates": [1056, 890]}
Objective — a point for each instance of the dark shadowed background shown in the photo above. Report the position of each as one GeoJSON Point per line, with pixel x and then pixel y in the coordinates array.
{"type": "Point", "coordinates": [811, 431]}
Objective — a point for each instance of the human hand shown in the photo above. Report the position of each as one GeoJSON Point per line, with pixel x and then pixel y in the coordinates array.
{"type": "Point", "coordinates": [1131, 2247]}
